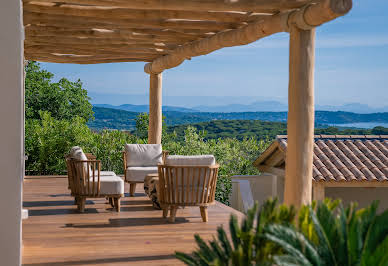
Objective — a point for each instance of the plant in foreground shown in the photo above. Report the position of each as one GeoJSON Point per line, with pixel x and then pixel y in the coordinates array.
{"type": "Point", "coordinates": [248, 244]}
{"type": "Point", "coordinates": [331, 235]}
{"type": "Point", "coordinates": [327, 234]}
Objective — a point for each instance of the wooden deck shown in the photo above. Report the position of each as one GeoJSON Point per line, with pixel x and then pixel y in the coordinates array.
{"type": "Point", "coordinates": [56, 234]}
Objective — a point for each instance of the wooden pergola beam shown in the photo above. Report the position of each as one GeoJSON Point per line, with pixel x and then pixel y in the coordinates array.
{"type": "Point", "coordinates": [36, 18]}
{"type": "Point", "coordinates": [81, 60]}
{"type": "Point", "coordinates": [94, 41]}
{"type": "Point", "coordinates": [260, 6]}
{"type": "Point", "coordinates": [130, 53]}
{"type": "Point", "coordinates": [123, 35]}
{"type": "Point", "coordinates": [112, 47]}
{"type": "Point", "coordinates": [187, 32]}
{"type": "Point", "coordinates": [61, 49]}
{"type": "Point", "coordinates": [308, 17]}
{"type": "Point", "coordinates": [125, 13]}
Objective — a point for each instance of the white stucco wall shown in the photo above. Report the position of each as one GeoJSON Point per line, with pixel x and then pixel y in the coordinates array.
{"type": "Point", "coordinates": [363, 196]}
{"type": "Point", "coordinates": [11, 131]}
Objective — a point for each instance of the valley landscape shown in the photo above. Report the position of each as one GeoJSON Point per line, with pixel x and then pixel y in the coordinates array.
{"type": "Point", "coordinates": [236, 124]}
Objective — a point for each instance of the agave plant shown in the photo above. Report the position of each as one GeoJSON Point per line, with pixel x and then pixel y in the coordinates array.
{"type": "Point", "coordinates": [247, 246]}
{"type": "Point", "coordinates": [330, 235]}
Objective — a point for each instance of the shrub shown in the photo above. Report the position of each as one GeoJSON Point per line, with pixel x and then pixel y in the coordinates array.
{"type": "Point", "coordinates": [331, 235]}
{"type": "Point", "coordinates": [48, 140]}
{"type": "Point", "coordinates": [327, 234]}
{"type": "Point", "coordinates": [247, 246]}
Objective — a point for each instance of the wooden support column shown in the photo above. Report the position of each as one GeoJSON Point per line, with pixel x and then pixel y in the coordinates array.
{"type": "Point", "coordinates": [300, 126]}
{"type": "Point", "coordinates": [155, 115]}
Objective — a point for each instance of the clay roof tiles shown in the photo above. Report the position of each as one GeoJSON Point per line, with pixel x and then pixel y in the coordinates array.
{"type": "Point", "coordinates": [348, 158]}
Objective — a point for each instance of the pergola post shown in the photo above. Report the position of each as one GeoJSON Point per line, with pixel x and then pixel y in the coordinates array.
{"type": "Point", "coordinates": [155, 114]}
{"type": "Point", "coordinates": [300, 126]}
{"type": "Point", "coordinates": [11, 133]}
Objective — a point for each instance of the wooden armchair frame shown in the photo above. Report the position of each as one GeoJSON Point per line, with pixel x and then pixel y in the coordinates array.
{"type": "Point", "coordinates": [86, 184]}
{"type": "Point", "coordinates": [187, 186]}
{"type": "Point", "coordinates": [132, 184]}
{"type": "Point", "coordinates": [90, 156]}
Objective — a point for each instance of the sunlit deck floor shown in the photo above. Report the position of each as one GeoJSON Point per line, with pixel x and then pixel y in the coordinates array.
{"type": "Point", "coordinates": [56, 234]}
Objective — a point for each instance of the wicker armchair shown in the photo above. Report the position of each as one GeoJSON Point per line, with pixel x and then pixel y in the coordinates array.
{"type": "Point", "coordinates": [187, 181]}
{"type": "Point", "coordinates": [139, 160]}
{"type": "Point", "coordinates": [86, 180]}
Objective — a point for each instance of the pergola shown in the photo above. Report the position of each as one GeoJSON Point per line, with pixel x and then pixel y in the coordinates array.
{"type": "Point", "coordinates": [165, 33]}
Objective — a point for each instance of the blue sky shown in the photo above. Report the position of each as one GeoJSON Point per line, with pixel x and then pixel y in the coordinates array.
{"type": "Point", "coordinates": [351, 66]}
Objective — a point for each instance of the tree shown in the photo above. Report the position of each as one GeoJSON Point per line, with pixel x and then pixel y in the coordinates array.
{"type": "Point", "coordinates": [142, 121]}
{"type": "Point", "coordinates": [63, 99]}
{"type": "Point", "coordinates": [380, 130]}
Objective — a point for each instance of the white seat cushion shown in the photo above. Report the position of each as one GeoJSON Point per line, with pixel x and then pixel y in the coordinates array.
{"type": "Point", "coordinates": [103, 173]}
{"type": "Point", "coordinates": [190, 160]}
{"type": "Point", "coordinates": [137, 174]}
{"type": "Point", "coordinates": [111, 185]}
{"type": "Point", "coordinates": [143, 154]}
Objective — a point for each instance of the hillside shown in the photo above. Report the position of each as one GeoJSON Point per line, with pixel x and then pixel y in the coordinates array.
{"type": "Point", "coordinates": [106, 118]}
{"type": "Point", "coordinates": [120, 119]}
{"type": "Point", "coordinates": [143, 108]}
{"type": "Point", "coordinates": [241, 129]}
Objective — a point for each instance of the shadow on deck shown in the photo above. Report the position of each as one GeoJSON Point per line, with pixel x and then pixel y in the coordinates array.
{"type": "Point", "coordinates": [56, 234]}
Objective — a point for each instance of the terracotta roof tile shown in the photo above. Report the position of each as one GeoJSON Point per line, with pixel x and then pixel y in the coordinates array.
{"type": "Point", "coordinates": [348, 157]}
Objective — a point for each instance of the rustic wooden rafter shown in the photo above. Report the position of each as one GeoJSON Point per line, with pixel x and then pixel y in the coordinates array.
{"type": "Point", "coordinates": [93, 50]}
{"type": "Point", "coordinates": [310, 16]}
{"type": "Point", "coordinates": [60, 20]}
{"type": "Point", "coordinates": [66, 59]}
{"type": "Point", "coordinates": [35, 31]}
{"type": "Point", "coordinates": [125, 13]}
{"type": "Point", "coordinates": [112, 47]}
{"type": "Point", "coordinates": [183, 29]}
{"type": "Point", "coordinates": [260, 6]}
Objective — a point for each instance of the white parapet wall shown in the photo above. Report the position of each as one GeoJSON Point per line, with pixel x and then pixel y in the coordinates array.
{"type": "Point", "coordinates": [246, 189]}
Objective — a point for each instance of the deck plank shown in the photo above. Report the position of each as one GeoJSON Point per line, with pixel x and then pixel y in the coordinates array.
{"type": "Point", "coordinates": [56, 234]}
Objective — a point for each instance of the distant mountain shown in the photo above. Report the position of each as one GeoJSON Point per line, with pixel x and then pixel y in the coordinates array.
{"type": "Point", "coordinates": [353, 107]}
{"type": "Point", "coordinates": [120, 119]}
{"type": "Point", "coordinates": [258, 106]}
{"type": "Point", "coordinates": [275, 106]}
{"type": "Point", "coordinates": [143, 108]}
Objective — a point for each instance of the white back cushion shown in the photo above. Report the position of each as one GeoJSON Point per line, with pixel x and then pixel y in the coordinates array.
{"type": "Point", "coordinates": [73, 150]}
{"type": "Point", "coordinates": [143, 154]}
{"type": "Point", "coordinates": [80, 156]}
{"type": "Point", "coordinates": [190, 160]}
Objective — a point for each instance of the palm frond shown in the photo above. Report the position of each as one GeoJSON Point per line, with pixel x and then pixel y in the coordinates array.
{"type": "Point", "coordinates": [187, 259]}
{"type": "Point", "coordinates": [325, 250]}
{"type": "Point", "coordinates": [293, 243]}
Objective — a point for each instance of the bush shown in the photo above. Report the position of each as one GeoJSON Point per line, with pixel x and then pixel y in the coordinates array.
{"type": "Point", "coordinates": [326, 234]}
{"type": "Point", "coordinates": [48, 140]}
